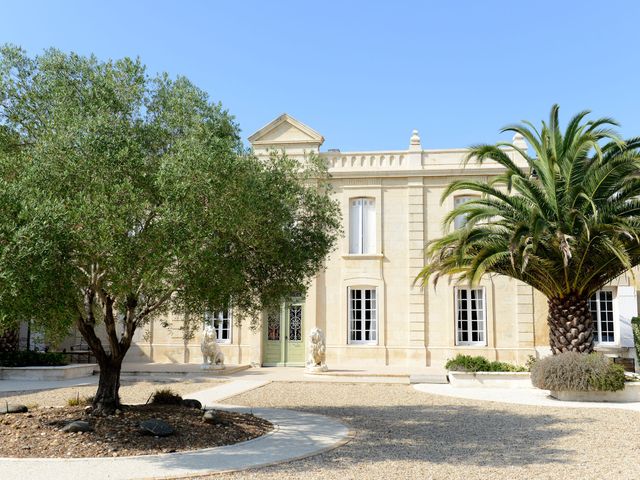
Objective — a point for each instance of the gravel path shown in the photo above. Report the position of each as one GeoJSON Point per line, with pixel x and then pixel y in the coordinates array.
{"type": "Point", "coordinates": [131, 391]}
{"type": "Point", "coordinates": [402, 433]}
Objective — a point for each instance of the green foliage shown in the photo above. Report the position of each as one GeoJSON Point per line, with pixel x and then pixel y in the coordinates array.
{"type": "Point", "coordinates": [530, 361]}
{"type": "Point", "coordinates": [166, 396]}
{"type": "Point", "coordinates": [635, 327]}
{"type": "Point", "coordinates": [79, 401]}
{"type": "Point", "coordinates": [29, 358]}
{"type": "Point", "coordinates": [467, 363]}
{"type": "Point", "coordinates": [124, 196]}
{"type": "Point", "coordinates": [577, 372]}
{"type": "Point", "coordinates": [566, 224]}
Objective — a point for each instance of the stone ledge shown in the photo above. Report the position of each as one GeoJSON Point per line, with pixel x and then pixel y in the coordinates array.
{"type": "Point", "coordinates": [490, 379]}
{"type": "Point", "coordinates": [631, 393]}
{"type": "Point", "coordinates": [64, 372]}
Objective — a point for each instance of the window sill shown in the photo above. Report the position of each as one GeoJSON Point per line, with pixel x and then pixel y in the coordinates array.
{"type": "Point", "coordinates": [476, 345]}
{"type": "Point", "coordinates": [362, 256]}
{"type": "Point", "coordinates": [362, 344]}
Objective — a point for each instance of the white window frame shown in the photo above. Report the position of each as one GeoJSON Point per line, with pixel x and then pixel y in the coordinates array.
{"type": "Point", "coordinates": [362, 226]}
{"type": "Point", "coordinates": [225, 323]}
{"type": "Point", "coordinates": [615, 318]}
{"type": "Point", "coordinates": [374, 317]}
{"type": "Point", "coordinates": [461, 220]}
{"type": "Point", "coordinates": [470, 331]}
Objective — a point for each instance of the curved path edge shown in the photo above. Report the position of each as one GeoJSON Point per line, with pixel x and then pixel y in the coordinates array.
{"type": "Point", "coordinates": [296, 435]}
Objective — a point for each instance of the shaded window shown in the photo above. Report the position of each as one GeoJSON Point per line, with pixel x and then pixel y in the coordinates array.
{"type": "Point", "coordinates": [221, 323]}
{"type": "Point", "coordinates": [362, 226]}
{"type": "Point", "coordinates": [295, 323]}
{"type": "Point", "coordinates": [461, 220]}
{"type": "Point", "coordinates": [273, 325]}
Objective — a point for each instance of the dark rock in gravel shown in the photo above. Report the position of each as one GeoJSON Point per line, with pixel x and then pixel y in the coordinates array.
{"type": "Point", "coordinates": [13, 408]}
{"type": "Point", "coordinates": [77, 426]}
{"type": "Point", "coordinates": [213, 418]}
{"type": "Point", "coordinates": [191, 403]}
{"type": "Point", "coordinates": [156, 427]}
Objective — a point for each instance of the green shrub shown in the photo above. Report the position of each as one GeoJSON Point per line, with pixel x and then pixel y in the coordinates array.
{"type": "Point", "coordinates": [166, 396]}
{"type": "Point", "coordinates": [577, 372]}
{"type": "Point", "coordinates": [635, 328]}
{"type": "Point", "coordinates": [467, 363]}
{"type": "Point", "coordinates": [79, 401]}
{"type": "Point", "coordinates": [29, 358]}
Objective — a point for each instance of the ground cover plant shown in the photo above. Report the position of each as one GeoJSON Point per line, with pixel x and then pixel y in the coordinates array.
{"type": "Point", "coordinates": [468, 363]}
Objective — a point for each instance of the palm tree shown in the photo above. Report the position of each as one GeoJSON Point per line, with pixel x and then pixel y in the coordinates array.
{"type": "Point", "coordinates": [566, 224]}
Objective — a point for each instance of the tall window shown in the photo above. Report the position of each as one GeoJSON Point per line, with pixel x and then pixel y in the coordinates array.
{"type": "Point", "coordinates": [601, 308]}
{"type": "Point", "coordinates": [461, 220]}
{"type": "Point", "coordinates": [470, 316]}
{"type": "Point", "coordinates": [221, 323]}
{"type": "Point", "coordinates": [363, 315]}
{"type": "Point", "coordinates": [362, 226]}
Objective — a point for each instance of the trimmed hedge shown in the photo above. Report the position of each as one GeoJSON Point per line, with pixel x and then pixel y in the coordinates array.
{"type": "Point", "coordinates": [577, 372]}
{"type": "Point", "coordinates": [467, 363]}
{"type": "Point", "coordinates": [29, 358]}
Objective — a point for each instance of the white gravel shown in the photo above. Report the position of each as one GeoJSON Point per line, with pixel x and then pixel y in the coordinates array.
{"type": "Point", "coordinates": [403, 433]}
{"type": "Point", "coordinates": [131, 391]}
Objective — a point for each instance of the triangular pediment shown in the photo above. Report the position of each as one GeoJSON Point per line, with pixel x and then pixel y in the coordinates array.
{"type": "Point", "coordinates": [286, 130]}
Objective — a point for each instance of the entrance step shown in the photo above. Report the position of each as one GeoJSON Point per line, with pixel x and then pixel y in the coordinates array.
{"type": "Point", "coordinates": [176, 370]}
{"type": "Point", "coordinates": [429, 378]}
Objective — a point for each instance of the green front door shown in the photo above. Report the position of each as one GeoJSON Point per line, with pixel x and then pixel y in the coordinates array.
{"type": "Point", "coordinates": [284, 336]}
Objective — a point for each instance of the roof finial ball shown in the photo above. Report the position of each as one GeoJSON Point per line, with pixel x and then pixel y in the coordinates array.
{"type": "Point", "coordinates": [518, 141]}
{"type": "Point", "coordinates": [414, 143]}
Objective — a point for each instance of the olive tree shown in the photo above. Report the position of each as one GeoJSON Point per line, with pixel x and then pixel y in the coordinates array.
{"type": "Point", "coordinates": [125, 196]}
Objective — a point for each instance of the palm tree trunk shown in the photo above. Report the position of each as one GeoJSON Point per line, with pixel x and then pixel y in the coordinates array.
{"type": "Point", "coordinates": [570, 325]}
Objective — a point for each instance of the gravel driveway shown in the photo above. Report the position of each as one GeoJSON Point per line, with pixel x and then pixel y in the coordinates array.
{"type": "Point", "coordinates": [403, 433]}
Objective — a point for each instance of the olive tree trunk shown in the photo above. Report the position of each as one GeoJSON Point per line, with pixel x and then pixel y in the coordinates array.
{"type": "Point", "coordinates": [570, 325]}
{"type": "Point", "coordinates": [107, 398]}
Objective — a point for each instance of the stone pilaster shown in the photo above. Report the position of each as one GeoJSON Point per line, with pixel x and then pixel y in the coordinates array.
{"type": "Point", "coordinates": [416, 261]}
{"type": "Point", "coordinates": [524, 315]}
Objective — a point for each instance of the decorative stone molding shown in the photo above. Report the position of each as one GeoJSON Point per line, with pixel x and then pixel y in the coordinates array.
{"type": "Point", "coordinates": [414, 142]}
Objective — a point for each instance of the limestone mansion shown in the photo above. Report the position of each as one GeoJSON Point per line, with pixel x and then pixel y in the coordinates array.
{"type": "Point", "coordinates": [365, 300]}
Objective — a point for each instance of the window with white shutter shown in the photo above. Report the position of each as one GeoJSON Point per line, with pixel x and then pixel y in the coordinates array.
{"type": "Point", "coordinates": [362, 226]}
{"type": "Point", "coordinates": [601, 308]}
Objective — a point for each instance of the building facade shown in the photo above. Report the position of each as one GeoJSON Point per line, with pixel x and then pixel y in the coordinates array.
{"type": "Point", "coordinates": [365, 300]}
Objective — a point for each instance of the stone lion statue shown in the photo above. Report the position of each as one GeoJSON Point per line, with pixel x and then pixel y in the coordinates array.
{"type": "Point", "coordinates": [212, 356]}
{"type": "Point", "coordinates": [317, 351]}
